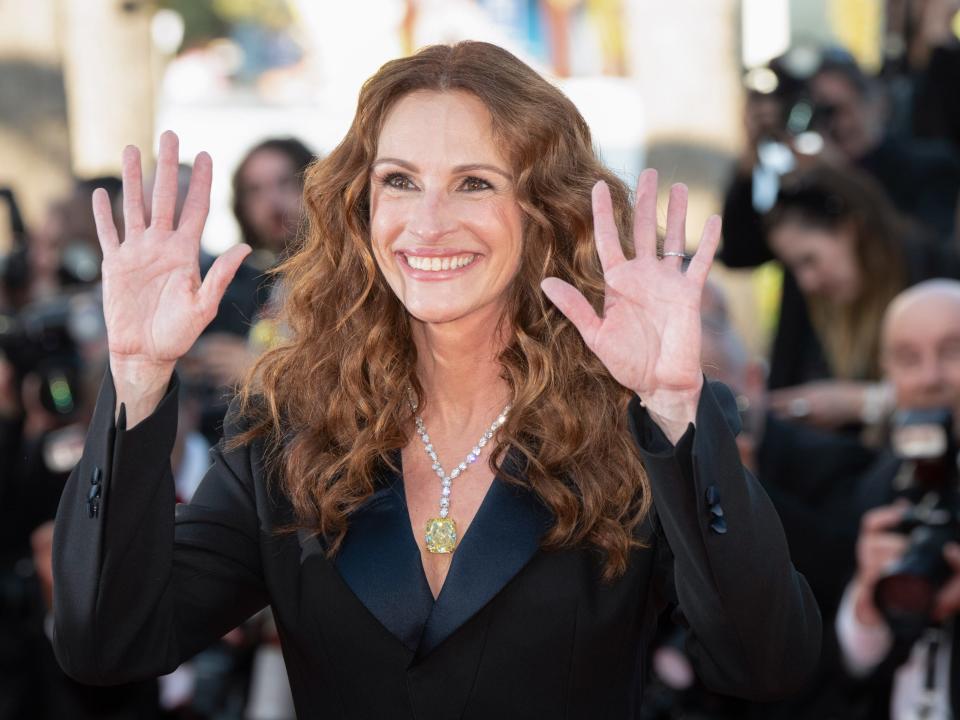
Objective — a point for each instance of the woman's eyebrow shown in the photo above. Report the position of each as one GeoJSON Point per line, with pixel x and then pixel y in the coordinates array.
{"type": "Point", "coordinates": [482, 166]}
{"type": "Point", "coordinates": [394, 161]}
{"type": "Point", "coordinates": [458, 169]}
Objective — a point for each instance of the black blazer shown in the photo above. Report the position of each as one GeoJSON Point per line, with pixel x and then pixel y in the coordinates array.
{"type": "Point", "coordinates": [517, 632]}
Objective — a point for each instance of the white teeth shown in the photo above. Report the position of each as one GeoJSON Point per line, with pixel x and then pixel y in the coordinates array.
{"type": "Point", "coordinates": [436, 263]}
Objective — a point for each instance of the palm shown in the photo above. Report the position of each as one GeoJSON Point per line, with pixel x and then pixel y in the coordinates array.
{"type": "Point", "coordinates": [155, 305]}
{"type": "Point", "coordinates": [649, 334]}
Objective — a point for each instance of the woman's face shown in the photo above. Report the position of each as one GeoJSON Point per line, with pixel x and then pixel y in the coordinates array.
{"type": "Point", "coordinates": [445, 224]}
{"type": "Point", "coordinates": [271, 197]}
{"type": "Point", "coordinates": [823, 261]}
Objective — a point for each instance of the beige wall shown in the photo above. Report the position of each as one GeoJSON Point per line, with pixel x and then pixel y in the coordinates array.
{"type": "Point", "coordinates": [109, 81]}
{"type": "Point", "coordinates": [75, 87]}
{"type": "Point", "coordinates": [686, 58]}
{"type": "Point", "coordinates": [34, 150]}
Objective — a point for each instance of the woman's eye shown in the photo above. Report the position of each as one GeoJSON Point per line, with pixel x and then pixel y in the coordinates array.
{"type": "Point", "coordinates": [473, 184]}
{"type": "Point", "coordinates": [398, 181]}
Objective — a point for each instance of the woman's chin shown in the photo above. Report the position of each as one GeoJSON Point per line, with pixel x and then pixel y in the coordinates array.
{"type": "Point", "coordinates": [434, 315]}
{"type": "Point", "coordinates": [436, 311]}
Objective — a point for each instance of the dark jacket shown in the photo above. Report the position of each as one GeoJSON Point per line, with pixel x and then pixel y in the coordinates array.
{"type": "Point", "coordinates": [517, 632]}
{"type": "Point", "coordinates": [888, 479]}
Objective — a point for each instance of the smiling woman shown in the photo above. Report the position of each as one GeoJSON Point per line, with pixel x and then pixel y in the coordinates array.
{"type": "Point", "coordinates": [470, 267]}
{"type": "Point", "coordinates": [456, 203]}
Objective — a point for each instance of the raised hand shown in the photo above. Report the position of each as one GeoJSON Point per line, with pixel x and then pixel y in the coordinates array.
{"type": "Point", "coordinates": [154, 303]}
{"type": "Point", "coordinates": [649, 334]}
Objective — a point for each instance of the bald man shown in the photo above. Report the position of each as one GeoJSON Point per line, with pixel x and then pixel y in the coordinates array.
{"type": "Point", "coordinates": [921, 358]}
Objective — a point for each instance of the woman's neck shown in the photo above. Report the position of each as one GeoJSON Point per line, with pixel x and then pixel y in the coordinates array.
{"type": "Point", "coordinates": [459, 370]}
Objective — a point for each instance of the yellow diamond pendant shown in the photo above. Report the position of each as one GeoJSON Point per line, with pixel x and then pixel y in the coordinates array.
{"type": "Point", "coordinates": [441, 535]}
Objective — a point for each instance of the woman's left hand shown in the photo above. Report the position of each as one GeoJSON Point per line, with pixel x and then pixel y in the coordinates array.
{"type": "Point", "coordinates": [649, 334]}
{"type": "Point", "coordinates": [828, 404]}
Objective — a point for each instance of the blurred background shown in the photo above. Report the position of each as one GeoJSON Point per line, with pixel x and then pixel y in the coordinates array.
{"type": "Point", "coordinates": [660, 83]}
{"type": "Point", "coordinates": [826, 132]}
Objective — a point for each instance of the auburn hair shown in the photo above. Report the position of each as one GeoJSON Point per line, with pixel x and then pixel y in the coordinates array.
{"type": "Point", "coordinates": [331, 402]}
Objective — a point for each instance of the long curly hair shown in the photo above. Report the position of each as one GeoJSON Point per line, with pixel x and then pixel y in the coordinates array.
{"type": "Point", "coordinates": [331, 403]}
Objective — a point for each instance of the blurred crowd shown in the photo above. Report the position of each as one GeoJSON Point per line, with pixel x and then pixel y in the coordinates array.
{"type": "Point", "coordinates": [53, 356]}
{"type": "Point", "coordinates": [850, 181]}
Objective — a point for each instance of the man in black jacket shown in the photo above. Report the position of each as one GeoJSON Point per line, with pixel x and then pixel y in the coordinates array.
{"type": "Point", "coordinates": [921, 357]}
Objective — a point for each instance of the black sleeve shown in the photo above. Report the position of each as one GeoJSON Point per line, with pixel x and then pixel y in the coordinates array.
{"type": "Point", "coordinates": [744, 238]}
{"type": "Point", "coordinates": [141, 584]}
{"type": "Point", "coordinates": [755, 626]}
{"type": "Point", "coordinates": [936, 102]}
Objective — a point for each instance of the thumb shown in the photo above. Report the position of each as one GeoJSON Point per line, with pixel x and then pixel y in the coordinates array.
{"type": "Point", "coordinates": [574, 305]}
{"type": "Point", "coordinates": [219, 276]}
{"type": "Point", "coordinates": [951, 552]}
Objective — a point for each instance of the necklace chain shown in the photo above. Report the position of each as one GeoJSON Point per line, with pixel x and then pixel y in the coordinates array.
{"type": "Point", "coordinates": [446, 480]}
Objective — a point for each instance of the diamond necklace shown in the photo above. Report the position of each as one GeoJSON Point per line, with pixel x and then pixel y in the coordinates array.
{"type": "Point", "coordinates": [441, 532]}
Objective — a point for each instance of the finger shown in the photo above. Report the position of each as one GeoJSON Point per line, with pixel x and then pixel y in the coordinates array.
{"type": "Point", "coordinates": [948, 599]}
{"type": "Point", "coordinates": [605, 233]}
{"type": "Point", "coordinates": [645, 215]}
{"type": "Point", "coordinates": [784, 395]}
{"type": "Point", "coordinates": [103, 219]}
{"type": "Point", "coordinates": [574, 305]}
{"type": "Point", "coordinates": [875, 556]}
{"type": "Point", "coordinates": [675, 240]}
{"type": "Point", "coordinates": [883, 547]}
{"type": "Point", "coordinates": [219, 276]}
{"type": "Point", "coordinates": [197, 203]}
{"type": "Point", "coordinates": [165, 184]}
{"type": "Point", "coordinates": [790, 402]}
{"type": "Point", "coordinates": [951, 551]}
{"type": "Point", "coordinates": [702, 260]}
{"type": "Point", "coordinates": [947, 602]}
{"type": "Point", "coordinates": [132, 175]}
{"type": "Point", "coordinates": [883, 518]}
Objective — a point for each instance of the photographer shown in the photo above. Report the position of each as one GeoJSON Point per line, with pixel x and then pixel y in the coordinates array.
{"type": "Point", "coordinates": [896, 621]}
{"type": "Point", "coordinates": [52, 350]}
{"type": "Point", "coordinates": [841, 114]}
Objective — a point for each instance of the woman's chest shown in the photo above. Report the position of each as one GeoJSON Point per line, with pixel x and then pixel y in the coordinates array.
{"type": "Point", "coordinates": [441, 509]}
{"type": "Point", "coordinates": [548, 626]}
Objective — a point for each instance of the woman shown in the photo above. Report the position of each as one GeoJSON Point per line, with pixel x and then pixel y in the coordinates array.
{"type": "Point", "coordinates": [851, 253]}
{"type": "Point", "coordinates": [403, 583]}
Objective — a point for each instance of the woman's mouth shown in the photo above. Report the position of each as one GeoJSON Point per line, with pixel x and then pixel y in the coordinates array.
{"type": "Point", "coordinates": [438, 264]}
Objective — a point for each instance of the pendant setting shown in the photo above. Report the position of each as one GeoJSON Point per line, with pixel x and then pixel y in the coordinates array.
{"type": "Point", "coordinates": [441, 535]}
{"type": "Point", "coordinates": [441, 532]}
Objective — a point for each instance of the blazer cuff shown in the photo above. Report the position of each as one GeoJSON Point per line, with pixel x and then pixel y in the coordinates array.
{"type": "Point", "coordinates": [155, 422]}
{"type": "Point", "coordinates": [716, 400]}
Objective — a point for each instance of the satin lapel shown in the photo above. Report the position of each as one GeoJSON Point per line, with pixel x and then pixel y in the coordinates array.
{"type": "Point", "coordinates": [503, 537]}
{"type": "Point", "coordinates": [380, 562]}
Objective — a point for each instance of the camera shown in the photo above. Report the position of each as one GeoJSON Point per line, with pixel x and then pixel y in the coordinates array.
{"type": "Point", "coordinates": [43, 338]}
{"type": "Point", "coordinates": [905, 593]}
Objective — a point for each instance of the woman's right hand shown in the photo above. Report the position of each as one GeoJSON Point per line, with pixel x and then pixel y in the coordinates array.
{"type": "Point", "coordinates": [154, 302]}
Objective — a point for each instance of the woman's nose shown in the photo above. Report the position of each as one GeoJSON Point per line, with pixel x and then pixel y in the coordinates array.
{"type": "Point", "coordinates": [809, 281]}
{"type": "Point", "coordinates": [432, 216]}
